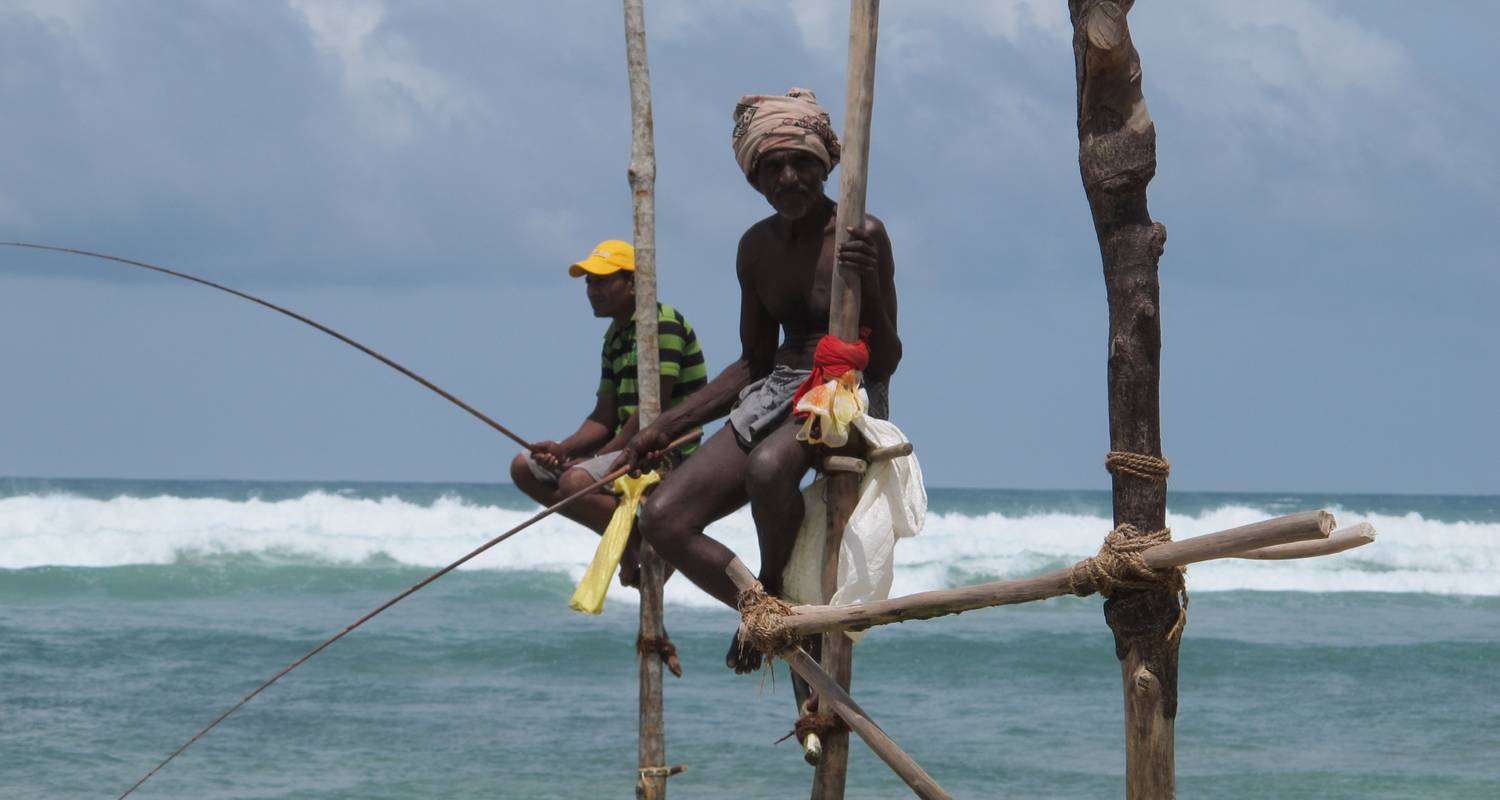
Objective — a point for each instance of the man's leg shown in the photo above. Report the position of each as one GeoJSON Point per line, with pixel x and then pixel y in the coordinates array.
{"type": "Point", "coordinates": [773, 480]}
{"type": "Point", "coordinates": [706, 487]}
{"type": "Point", "coordinates": [593, 510]}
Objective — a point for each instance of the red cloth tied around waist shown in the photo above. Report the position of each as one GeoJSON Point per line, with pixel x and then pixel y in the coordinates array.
{"type": "Point", "coordinates": [833, 358]}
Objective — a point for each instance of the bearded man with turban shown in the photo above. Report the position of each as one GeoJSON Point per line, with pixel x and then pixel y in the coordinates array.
{"type": "Point", "coordinates": [785, 147]}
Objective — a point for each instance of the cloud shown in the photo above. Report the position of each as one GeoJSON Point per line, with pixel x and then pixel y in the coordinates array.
{"type": "Point", "coordinates": [394, 92]}
{"type": "Point", "coordinates": [61, 15]}
{"type": "Point", "coordinates": [1332, 51]}
{"type": "Point", "coordinates": [1300, 81]}
{"type": "Point", "coordinates": [1322, 165]}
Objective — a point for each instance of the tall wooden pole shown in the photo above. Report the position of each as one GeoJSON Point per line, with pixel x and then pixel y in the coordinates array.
{"type": "Point", "coordinates": [1117, 157]}
{"type": "Point", "coordinates": [652, 781]}
{"type": "Point", "coordinates": [843, 322]}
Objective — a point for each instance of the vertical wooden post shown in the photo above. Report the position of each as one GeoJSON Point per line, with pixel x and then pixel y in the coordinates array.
{"type": "Point", "coordinates": [652, 781]}
{"type": "Point", "coordinates": [1117, 158]}
{"type": "Point", "coordinates": [843, 322]}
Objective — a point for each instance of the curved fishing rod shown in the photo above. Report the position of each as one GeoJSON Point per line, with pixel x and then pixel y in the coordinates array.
{"type": "Point", "coordinates": [294, 315]}
{"type": "Point", "coordinates": [680, 441]}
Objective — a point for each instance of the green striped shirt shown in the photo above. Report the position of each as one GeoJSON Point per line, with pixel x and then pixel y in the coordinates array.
{"type": "Point", "coordinates": [681, 358]}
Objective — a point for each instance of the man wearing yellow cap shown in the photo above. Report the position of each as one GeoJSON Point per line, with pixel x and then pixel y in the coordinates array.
{"type": "Point", "coordinates": [551, 471]}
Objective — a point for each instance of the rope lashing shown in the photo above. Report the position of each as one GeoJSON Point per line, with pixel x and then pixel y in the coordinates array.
{"type": "Point", "coordinates": [659, 647]}
{"type": "Point", "coordinates": [760, 621]}
{"type": "Point", "coordinates": [1150, 468]}
{"type": "Point", "coordinates": [824, 725]}
{"type": "Point", "coordinates": [1121, 563]}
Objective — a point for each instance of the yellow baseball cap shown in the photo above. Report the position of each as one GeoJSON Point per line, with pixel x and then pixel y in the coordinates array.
{"type": "Point", "coordinates": [609, 257]}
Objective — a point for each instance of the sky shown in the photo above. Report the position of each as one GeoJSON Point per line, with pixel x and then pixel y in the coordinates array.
{"type": "Point", "coordinates": [419, 175]}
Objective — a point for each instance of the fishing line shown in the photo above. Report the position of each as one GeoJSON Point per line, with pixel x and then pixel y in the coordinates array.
{"type": "Point", "coordinates": [398, 598]}
{"type": "Point", "coordinates": [294, 315]}
{"type": "Point", "coordinates": [403, 370]}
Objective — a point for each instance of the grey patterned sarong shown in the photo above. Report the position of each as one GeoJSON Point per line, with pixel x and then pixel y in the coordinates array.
{"type": "Point", "coordinates": [766, 403]}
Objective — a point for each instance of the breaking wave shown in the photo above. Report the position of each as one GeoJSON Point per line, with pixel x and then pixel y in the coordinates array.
{"type": "Point", "coordinates": [1412, 554]}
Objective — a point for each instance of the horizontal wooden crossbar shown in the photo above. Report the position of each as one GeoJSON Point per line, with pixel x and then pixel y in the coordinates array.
{"type": "Point", "coordinates": [1308, 531]}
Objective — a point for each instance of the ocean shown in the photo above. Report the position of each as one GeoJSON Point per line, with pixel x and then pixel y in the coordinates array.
{"type": "Point", "coordinates": [134, 612]}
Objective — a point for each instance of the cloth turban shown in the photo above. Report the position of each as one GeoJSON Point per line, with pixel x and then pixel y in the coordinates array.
{"type": "Point", "coordinates": [764, 122]}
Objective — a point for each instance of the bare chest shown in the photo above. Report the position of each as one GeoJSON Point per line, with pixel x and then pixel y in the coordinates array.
{"type": "Point", "coordinates": [793, 282]}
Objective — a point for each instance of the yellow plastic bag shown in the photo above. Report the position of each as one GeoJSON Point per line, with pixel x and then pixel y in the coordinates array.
{"type": "Point", "coordinates": [832, 408]}
{"type": "Point", "coordinates": [589, 596]}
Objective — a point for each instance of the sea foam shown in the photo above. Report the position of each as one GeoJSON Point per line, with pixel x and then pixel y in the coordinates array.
{"type": "Point", "coordinates": [1411, 555]}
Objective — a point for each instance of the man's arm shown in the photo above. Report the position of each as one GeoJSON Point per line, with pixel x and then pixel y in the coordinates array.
{"type": "Point", "coordinates": [758, 340]}
{"type": "Point", "coordinates": [868, 254]}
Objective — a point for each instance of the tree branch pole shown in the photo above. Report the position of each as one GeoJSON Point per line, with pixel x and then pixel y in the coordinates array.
{"type": "Point", "coordinates": [1117, 159]}
{"type": "Point", "coordinates": [651, 782]}
{"type": "Point", "coordinates": [843, 322]}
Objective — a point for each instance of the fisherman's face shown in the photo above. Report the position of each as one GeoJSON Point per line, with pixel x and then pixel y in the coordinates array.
{"type": "Point", "coordinates": [611, 295]}
{"type": "Point", "coordinates": [791, 180]}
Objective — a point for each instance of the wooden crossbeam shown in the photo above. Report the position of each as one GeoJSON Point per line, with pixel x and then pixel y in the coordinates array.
{"type": "Point", "coordinates": [1337, 542]}
{"type": "Point", "coordinates": [1307, 528]}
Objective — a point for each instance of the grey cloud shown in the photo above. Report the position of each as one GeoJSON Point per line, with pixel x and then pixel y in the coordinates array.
{"type": "Point", "coordinates": [1322, 175]}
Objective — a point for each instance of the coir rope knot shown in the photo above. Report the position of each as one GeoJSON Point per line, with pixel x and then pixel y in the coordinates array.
{"type": "Point", "coordinates": [821, 724]}
{"type": "Point", "coordinates": [1121, 562]}
{"type": "Point", "coordinates": [760, 621]}
{"type": "Point", "coordinates": [659, 647]}
{"type": "Point", "coordinates": [1150, 468]}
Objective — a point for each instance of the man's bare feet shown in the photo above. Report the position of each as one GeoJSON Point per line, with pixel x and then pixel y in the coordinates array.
{"type": "Point", "coordinates": [742, 657]}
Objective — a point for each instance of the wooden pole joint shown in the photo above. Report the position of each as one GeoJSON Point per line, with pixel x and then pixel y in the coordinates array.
{"type": "Point", "coordinates": [651, 782]}
{"type": "Point", "coordinates": [844, 464]}
{"type": "Point", "coordinates": [641, 174]}
{"type": "Point", "coordinates": [888, 453]}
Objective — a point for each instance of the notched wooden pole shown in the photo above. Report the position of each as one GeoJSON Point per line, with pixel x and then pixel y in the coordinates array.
{"type": "Point", "coordinates": [843, 322]}
{"type": "Point", "coordinates": [1117, 159]}
{"type": "Point", "coordinates": [651, 783]}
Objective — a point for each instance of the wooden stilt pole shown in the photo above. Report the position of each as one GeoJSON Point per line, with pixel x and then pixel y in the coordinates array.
{"type": "Point", "coordinates": [652, 780]}
{"type": "Point", "coordinates": [1117, 158]}
{"type": "Point", "coordinates": [843, 322]}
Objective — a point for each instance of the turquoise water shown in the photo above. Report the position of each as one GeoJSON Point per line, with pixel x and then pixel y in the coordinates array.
{"type": "Point", "coordinates": [132, 613]}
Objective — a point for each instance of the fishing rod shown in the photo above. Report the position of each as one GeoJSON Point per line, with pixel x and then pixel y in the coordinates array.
{"type": "Point", "coordinates": [294, 315]}
{"type": "Point", "coordinates": [540, 515]}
